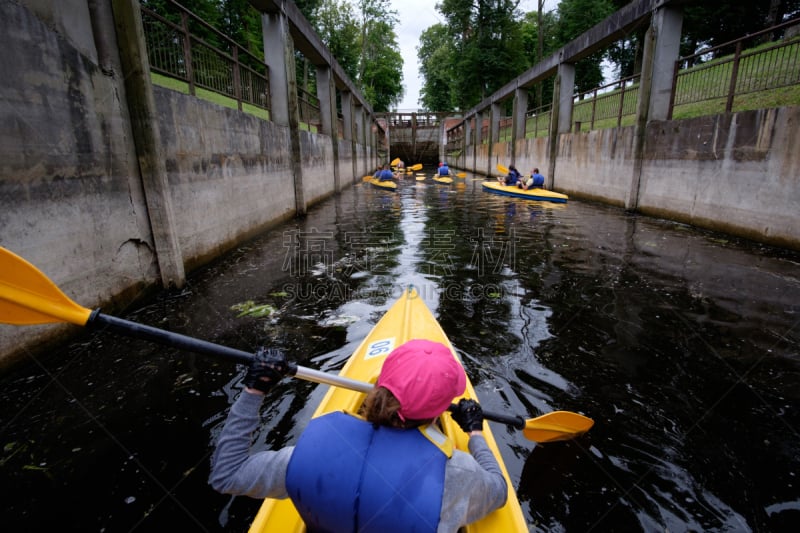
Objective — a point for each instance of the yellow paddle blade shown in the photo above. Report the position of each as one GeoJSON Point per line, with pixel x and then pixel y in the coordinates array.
{"type": "Point", "coordinates": [27, 296]}
{"type": "Point", "coordinates": [557, 425]}
{"type": "Point", "coordinates": [418, 166]}
{"type": "Point", "coordinates": [395, 162]}
{"type": "Point", "coordinates": [501, 169]}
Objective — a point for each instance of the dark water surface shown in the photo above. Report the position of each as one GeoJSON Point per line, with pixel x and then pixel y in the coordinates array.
{"type": "Point", "coordinates": [682, 345]}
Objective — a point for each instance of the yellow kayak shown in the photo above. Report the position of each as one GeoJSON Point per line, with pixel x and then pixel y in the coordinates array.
{"type": "Point", "coordinates": [443, 179]}
{"type": "Point", "coordinates": [530, 194]}
{"type": "Point", "coordinates": [385, 184]}
{"type": "Point", "coordinates": [408, 318]}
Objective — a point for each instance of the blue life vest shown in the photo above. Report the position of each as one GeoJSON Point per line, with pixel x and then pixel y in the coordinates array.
{"type": "Point", "coordinates": [386, 174]}
{"type": "Point", "coordinates": [346, 475]}
{"type": "Point", "coordinates": [444, 170]}
{"type": "Point", "coordinates": [538, 180]}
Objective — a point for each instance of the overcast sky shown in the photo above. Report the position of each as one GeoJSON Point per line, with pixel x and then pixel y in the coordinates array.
{"type": "Point", "coordinates": [415, 16]}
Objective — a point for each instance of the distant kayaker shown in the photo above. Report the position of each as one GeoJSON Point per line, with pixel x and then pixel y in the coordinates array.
{"type": "Point", "coordinates": [511, 178]}
{"type": "Point", "coordinates": [387, 469]}
{"type": "Point", "coordinates": [443, 170]}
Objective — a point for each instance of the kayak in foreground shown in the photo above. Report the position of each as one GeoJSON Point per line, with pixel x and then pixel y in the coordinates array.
{"type": "Point", "coordinates": [443, 180]}
{"type": "Point", "coordinates": [530, 194]}
{"type": "Point", "coordinates": [408, 318]}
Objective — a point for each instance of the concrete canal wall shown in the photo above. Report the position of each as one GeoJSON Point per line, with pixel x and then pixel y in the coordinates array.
{"type": "Point", "coordinates": [80, 200]}
{"type": "Point", "coordinates": [109, 216]}
{"type": "Point", "coordinates": [738, 173]}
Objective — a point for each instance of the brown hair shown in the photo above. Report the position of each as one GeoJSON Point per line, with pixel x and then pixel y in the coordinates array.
{"type": "Point", "coordinates": [381, 408]}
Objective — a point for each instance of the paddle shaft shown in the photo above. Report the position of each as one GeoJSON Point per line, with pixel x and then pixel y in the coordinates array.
{"type": "Point", "coordinates": [98, 320]}
{"type": "Point", "coordinates": [176, 340]}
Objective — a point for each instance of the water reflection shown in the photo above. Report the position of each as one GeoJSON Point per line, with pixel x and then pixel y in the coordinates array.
{"type": "Point", "coordinates": [681, 345]}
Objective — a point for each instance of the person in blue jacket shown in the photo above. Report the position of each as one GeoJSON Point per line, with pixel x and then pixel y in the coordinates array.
{"type": "Point", "coordinates": [444, 170]}
{"type": "Point", "coordinates": [511, 178]}
{"type": "Point", "coordinates": [386, 174]}
{"type": "Point", "coordinates": [389, 468]}
{"type": "Point", "coordinates": [535, 181]}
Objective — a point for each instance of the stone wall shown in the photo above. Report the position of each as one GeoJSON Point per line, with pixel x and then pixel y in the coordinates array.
{"type": "Point", "coordinates": [72, 198]}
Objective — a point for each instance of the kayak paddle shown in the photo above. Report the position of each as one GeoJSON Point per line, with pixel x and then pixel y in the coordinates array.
{"type": "Point", "coordinates": [28, 296]}
{"type": "Point", "coordinates": [501, 169]}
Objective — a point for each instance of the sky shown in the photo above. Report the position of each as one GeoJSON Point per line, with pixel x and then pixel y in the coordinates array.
{"type": "Point", "coordinates": [415, 16]}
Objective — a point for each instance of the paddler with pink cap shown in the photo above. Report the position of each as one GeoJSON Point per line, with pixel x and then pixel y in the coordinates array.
{"type": "Point", "coordinates": [388, 468]}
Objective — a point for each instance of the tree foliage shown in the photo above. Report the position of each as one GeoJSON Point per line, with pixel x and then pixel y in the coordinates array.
{"type": "Point", "coordinates": [487, 42]}
{"type": "Point", "coordinates": [380, 74]}
{"type": "Point", "coordinates": [436, 55]}
{"type": "Point", "coordinates": [338, 28]}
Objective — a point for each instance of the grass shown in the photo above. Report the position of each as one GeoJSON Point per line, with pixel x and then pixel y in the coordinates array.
{"type": "Point", "coordinates": [702, 89]}
{"type": "Point", "coordinates": [217, 98]}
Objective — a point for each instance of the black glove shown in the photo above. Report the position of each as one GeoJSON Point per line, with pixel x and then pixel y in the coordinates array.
{"type": "Point", "coordinates": [266, 369]}
{"type": "Point", "coordinates": [468, 414]}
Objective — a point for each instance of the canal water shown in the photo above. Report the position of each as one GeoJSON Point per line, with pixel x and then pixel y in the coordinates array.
{"type": "Point", "coordinates": [682, 345]}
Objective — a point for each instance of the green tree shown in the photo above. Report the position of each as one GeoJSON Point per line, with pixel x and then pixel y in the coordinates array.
{"type": "Point", "coordinates": [488, 46]}
{"type": "Point", "coordinates": [574, 18]}
{"type": "Point", "coordinates": [436, 56]}
{"type": "Point", "coordinates": [539, 42]}
{"type": "Point", "coordinates": [381, 65]}
{"type": "Point", "coordinates": [338, 28]}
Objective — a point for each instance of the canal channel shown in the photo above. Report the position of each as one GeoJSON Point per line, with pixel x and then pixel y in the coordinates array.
{"type": "Point", "coordinates": [683, 346]}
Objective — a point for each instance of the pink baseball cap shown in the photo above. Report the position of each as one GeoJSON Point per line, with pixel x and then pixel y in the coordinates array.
{"type": "Point", "coordinates": [424, 377]}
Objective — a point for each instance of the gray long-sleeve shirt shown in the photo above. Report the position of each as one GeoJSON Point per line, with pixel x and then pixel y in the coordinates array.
{"type": "Point", "coordinates": [474, 486]}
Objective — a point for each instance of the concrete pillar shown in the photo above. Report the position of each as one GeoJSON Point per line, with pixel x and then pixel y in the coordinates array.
{"type": "Point", "coordinates": [494, 135]}
{"type": "Point", "coordinates": [560, 115]}
{"type": "Point", "coordinates": [667, 22]}
{"type": "Point", "coordinates": [147, 139]}
{"type": "Point", "coordinates": [478, 139]}
{"type": "Point", "coordinates": [349, 129]}
{"type": "Point", "coordinates": [642, 110]}
{"type": "Point", "coordinates": [469, 131]}
{"type": "Point", "coordinates": [273, 29]}
{"type": "Point", "coordinates": [442, 141]}
{"type": "Point", "coordinates": [518, 120]}
{"type": "Point", "coordinates": [326, 92]}
{"type": "Point", "coordinates": [358, 118]}
{"type": "Point", "coordinates": [284, 104]}
{"type": "Point", "coordinates": [566, 75]}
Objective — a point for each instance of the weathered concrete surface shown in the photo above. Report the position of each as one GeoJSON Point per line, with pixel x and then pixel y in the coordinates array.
{"type": "Point", "coordinates": [72, 199]}
{"type": "Point", "coordinates": [737, 173]}
{"type": "Point", "coordinates": [596, 165]}
{"type": "Point", "coordinates": [229, 174]}
{"type": "Point", "coordinates": [532, 153]}
{"type": "Point", "coordinates": [318, 166]}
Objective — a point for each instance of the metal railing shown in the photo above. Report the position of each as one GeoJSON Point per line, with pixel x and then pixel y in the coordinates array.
{"type": "Point", "coordinates": [173, 51]}
{"type": "Point", "coordinates": [309, 108]}
{"type": "Point", "coordinates": [605, 106]}
{"type": "Point", "coordinates": [537, 121]}
{"type": "Point", "coordinates": [751, 67]}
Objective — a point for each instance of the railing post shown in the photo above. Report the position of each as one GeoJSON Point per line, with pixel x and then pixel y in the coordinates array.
{"type": "Point", "coordinates": [237, 79]}
{"type": "Point", "coordinates": [187, 51]}
{"type": "Point", "coordinates": [674, 89]}
{"type": "Point", "coordinates": [734, 74]}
